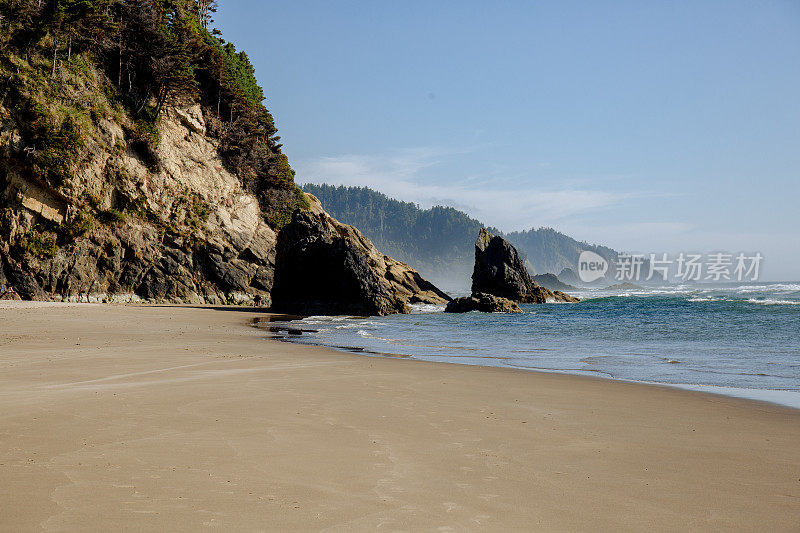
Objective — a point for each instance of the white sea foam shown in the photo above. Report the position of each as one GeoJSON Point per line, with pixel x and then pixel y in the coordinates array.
{"type": "Point", "coordinates": [357, 324]}
{"type": "Point", "coordinates": [426, 308]}
{"type": "Point", "coordinates": [323, 319]}
{"type": "Point", "coordinates": [344, 321]}
{"type": "Point", "coordinates": [776, 287]}
{"type": "Point", "coordinates": [764, 301]}
{"type": "Point", "coordinates": [769, 301]}
{"type": "Point", "coordinates": [754, 288]}
{"type": "Point", "coordinates": [788, 287]}
{"type": "Point", "coordinates": [671, 290]}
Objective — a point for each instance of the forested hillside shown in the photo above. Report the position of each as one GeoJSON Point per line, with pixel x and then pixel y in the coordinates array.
{"type": "Point", "coordinates": [551, 251]}
{"type": "Point", "coordinates": [440, 241]}
{"type": "Point", "coordinates": [434, 241]}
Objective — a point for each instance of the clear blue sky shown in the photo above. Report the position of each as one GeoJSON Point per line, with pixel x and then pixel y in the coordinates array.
{"type": "Point", "coordinates": [648, 126]}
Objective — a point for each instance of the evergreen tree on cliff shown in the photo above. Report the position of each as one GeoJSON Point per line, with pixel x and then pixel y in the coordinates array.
{"type": "Point", "coordinates": [156, 53]}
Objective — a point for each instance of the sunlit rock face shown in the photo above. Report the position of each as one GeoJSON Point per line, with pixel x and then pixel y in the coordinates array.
{"type": "Point", "coordinates": [185, 230]}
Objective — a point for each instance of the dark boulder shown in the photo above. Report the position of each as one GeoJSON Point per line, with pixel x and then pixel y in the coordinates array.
{"type": "Point", "coordinates": [22, 281]}
{"type": "Point", "coordinates": [485, 303]}
{"type": "Point", "coordinates": [325, 267]}
{"type": "Point", "coordinates": [564, 297]}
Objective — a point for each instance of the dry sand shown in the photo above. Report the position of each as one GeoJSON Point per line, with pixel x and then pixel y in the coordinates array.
{"type": "Point", "coordinates": [179, 419]}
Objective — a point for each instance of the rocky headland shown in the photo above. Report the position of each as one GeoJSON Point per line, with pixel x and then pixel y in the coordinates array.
{"type": "Point", "coordinates": [138, 163]}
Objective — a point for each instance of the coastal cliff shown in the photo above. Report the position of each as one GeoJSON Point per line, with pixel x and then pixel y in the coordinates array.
{"type": "Point", "coordinates": [120, 228]}
{"type": "Point", "coordinates": [137, 162]}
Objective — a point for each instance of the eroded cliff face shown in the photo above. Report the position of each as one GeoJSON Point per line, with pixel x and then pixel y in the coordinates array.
{"type": "Point", "coordinates": [166, 225]}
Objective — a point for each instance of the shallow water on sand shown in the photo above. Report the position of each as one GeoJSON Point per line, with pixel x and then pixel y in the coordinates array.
{"type": "Point", "coordinates": [740, 336]}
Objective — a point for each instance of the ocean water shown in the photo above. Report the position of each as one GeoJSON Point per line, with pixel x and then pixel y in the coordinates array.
{"type": "Point", "coordinates": [740, 339]}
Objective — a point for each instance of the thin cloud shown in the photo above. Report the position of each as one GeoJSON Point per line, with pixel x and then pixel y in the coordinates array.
{"type": "Point", "coordinates": [403, 176]}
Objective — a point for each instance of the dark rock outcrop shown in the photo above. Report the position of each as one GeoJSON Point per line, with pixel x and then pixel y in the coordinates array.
{"type": "Point", "coordinates": [563, 297]}
{"type": "Point", "coordinates": [500, 271]}
{"type": "Point", "coordinates": [624, 286]}
{"type": "Point", "coordinates": [551, 281]}
{"type": "Point", "coordinates": [128, 262]}
{"type": "Point", "coordinates": [12, 275]}
{"type": "Point", "coordinates": [325, 267]}
{"type": "Point", "coordinates": [485, 303]}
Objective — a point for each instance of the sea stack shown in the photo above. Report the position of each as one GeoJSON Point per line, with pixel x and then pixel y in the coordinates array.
{"type": "Point", "coordinates": [500, 271]}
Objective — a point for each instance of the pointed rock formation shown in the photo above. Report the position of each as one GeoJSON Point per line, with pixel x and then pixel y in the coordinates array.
{"type": "Point", "coordinates": [500, 271]}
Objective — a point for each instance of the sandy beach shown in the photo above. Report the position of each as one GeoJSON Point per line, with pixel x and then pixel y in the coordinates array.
{"type": "Point", "coordinates": [178, 419]}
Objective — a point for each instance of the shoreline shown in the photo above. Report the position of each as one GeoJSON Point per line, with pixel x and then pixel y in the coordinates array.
{"type": "Point", "coordinates": [783, 397]}
{"type": "Point", "coordinates": [181, 418]}
{"type": "Point", "coordinates": [780, 397]}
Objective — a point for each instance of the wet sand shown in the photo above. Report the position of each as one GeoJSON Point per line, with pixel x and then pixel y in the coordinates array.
{"type": "Point", "coordinates": [179, 419]}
